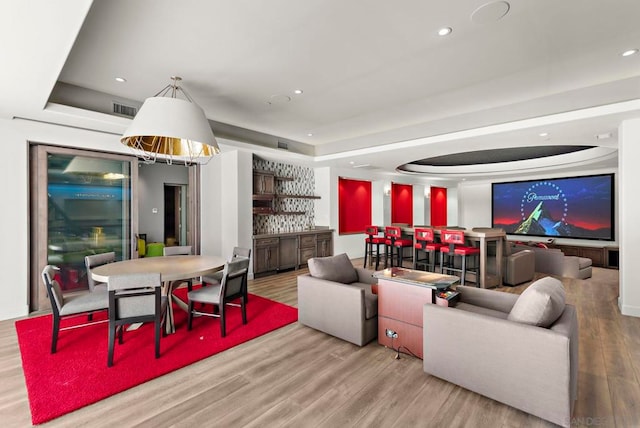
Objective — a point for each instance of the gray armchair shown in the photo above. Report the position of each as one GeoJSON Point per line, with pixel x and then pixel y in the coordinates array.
{"type": "Point", "coordinates": [336, 298]}
{"type": "Point", "coordinates": [519, 267]}
{"type": "Point", "coordinates": [477, 346]}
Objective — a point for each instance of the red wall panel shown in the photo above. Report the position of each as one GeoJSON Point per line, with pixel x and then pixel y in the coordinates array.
{"type": "Point", "coordinates": [354, 205]}
{"type": "Point", "coordinates": [438, 206]}
{"type": "Point", "coordinates": [402, 203]}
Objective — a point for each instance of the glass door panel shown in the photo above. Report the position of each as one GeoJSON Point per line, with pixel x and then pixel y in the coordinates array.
{"type": "Point", "coordinates": [82, 203]}
{"type": "Point", "coordinates": [88, 212]}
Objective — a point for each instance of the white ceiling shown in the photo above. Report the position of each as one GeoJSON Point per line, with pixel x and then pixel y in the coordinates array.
{"type": "Point", "coordinates": [375, 74]}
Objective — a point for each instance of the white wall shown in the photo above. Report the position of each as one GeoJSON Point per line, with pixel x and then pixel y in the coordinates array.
{"type": "Point", "coordinates": [14, 226]}
{"type": "Point", "coordinates": [353, 244]}
{"type": "Point", "coordinates": [322, 206]}
{"type": "Point", "coordinates": [628, 155]}
{"type": "Point", "coordinates": [226, 205]}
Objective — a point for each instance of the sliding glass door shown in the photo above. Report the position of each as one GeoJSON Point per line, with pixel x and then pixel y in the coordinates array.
{"type": "Point", "coordinates": [81, 204]}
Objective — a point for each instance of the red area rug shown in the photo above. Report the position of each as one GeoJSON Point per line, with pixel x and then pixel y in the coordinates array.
{"type": "Point", "coordinates": [77, 375]}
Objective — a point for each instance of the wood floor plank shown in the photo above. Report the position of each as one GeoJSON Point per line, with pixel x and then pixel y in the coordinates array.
{"type": "Point", "coordinates": [299, 377]}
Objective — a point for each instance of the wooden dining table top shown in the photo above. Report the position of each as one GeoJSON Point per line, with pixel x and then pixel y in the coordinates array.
{"type": "Point", "coordinates": [171, 268]}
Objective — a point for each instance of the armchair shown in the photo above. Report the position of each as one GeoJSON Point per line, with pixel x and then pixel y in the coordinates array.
{"type": "Point", "coordinates": [477, 346]}
{"type": "Point", "coordinates": [336, 298]}
{"type": "Point", "coordinates": [519, 267]}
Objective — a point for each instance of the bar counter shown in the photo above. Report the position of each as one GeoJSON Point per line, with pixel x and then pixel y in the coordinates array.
{"type": "Point", "coordinates": [490, 266]}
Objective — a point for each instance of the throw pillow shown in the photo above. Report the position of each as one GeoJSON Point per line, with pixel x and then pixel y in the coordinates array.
{"type": "Point", "coordinates": [541, 304]}
{"type": "Point", "coordinates": [335, 268]}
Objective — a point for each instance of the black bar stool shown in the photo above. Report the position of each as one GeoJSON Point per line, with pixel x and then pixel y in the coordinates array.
{"type": "Point", "coordinates": [371, 240]}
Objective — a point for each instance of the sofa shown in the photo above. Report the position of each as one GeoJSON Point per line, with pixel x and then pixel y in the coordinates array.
{"type": "Point", "coordinates": [554, 262]}
{"type": "Point", "coordinates": [518, 350]}
{"type": "Point", "coordinates": [336, 298]}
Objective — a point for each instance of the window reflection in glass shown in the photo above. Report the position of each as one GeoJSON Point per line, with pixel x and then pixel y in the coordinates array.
{"type": "Point", "coordinates": [88, 213]}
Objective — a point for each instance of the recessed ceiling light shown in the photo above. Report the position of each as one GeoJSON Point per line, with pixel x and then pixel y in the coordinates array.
{"type": "Point", "coordinates": [544, 134]}
{"type": "Point", "coordinates": [121, 79]}
{"type": "Point", "coordinates": [630, 52]}
{"type": "Point", "coordinates": [351, 163]}
{"type": "Point", "coordinates": [309, 134]}
{"type": "Point", "coordinates": [444, 31]}
{"type": "Point", "coordinates": [298, 91]}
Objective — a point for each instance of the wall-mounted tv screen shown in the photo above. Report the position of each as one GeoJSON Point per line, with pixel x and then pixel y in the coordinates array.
{"type": "Point", "coordinates": [575, 207]}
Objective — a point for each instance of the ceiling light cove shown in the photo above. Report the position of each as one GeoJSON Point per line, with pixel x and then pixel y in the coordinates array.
{"type": "Point", "coordinates": [445, 31]}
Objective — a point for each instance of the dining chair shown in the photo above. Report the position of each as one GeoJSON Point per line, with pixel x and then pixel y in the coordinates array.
{"type": "Point", "coordinates": [63, 307]}
{"type": "Point", "coordinates": [181, 250]}
{"type": "Point", "coordinates": [216, 278]}
{"type": "Point", "coordinates": [223, 294]}
{"type": "Point", "coordinates": [134, 298]}
{"type": "Point", "coordinates": [95, 260]}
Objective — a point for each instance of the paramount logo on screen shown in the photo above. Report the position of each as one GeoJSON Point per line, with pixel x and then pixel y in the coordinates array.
{"type": "Point", "coordinates": [535, 197]}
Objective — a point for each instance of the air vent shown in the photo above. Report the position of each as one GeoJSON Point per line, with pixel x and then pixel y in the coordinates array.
{"type": "Point", "coordinates": [283, 146]}
{"type": "Point", "coordinates": [124, 110]}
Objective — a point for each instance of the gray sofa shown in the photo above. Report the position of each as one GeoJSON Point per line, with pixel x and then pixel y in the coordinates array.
{"type": "Point", "coordinates": [336, 298]}
{"type": "Point", "coordinates": [477, 346]}
{"type": "Point", "coordinates": [554, 262]}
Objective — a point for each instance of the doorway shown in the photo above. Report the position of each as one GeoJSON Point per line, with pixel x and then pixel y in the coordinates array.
{"type": "Point", "coordinates": [175, 214]}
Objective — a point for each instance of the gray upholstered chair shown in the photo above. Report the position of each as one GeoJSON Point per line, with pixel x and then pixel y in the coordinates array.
{"type": "Point", "coordinates": [337, 298]}
{"type": "Point", "coordinates": [94, 261]}
{"type": "Point", "coordinates": [134, 298]}
{"type": "Point", "coordinates": [216, 278]}
{"type": "Point", "coordinates": [519, 350]}
{"type": "Point", "coordinates": [182, 250]}
{"type": "Point", "coordinates": [222, 294]}
{"type": "Point", "coordinates": [67, 306]}
{"type": "Point", "coordinates": [519, 267]}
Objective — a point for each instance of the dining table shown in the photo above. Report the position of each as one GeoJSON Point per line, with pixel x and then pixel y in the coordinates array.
{"type": "Point", "coordinates": [173, 270]}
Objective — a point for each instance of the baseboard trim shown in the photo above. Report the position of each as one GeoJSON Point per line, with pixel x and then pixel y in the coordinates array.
{"type": "Point", "coordinates": [632, 311]}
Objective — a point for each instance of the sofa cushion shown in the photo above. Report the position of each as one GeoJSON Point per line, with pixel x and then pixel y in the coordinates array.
{"type": "Point", "coordinates": [336, 268]}
{"type": "Point", "coordinates": [541, 304]}
{"type": "Point", "coordinates": [461, 306]}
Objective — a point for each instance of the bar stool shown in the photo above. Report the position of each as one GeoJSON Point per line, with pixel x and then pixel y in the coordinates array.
{"type": "Point", "coordinates": [371, 240]}
{"type": "Point", "coordinates": [394, 239]}
{"type": "Point", "coordinates": [425, 238]}
{"type": "Point", "coordinates": [456, 247]}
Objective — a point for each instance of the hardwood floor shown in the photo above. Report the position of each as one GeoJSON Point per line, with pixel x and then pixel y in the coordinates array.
{"type": "Point", "coordinates": [299, 377]}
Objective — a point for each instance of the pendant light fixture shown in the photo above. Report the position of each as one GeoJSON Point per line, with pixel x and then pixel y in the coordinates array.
{"type": "Point", "coordinates": [171, 129]}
